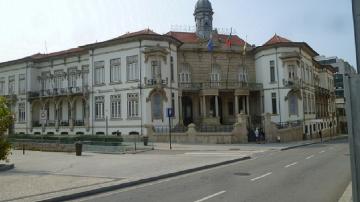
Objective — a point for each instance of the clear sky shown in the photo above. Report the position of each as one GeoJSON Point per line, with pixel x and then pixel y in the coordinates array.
{"type": "Point", "coordinates": [28, 26]}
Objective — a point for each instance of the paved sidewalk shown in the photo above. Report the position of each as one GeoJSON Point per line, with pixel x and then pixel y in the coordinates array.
{"type": "Point", "coordinates": [42, 175]}
{"type": "Point", "coordinates": [347, 196]}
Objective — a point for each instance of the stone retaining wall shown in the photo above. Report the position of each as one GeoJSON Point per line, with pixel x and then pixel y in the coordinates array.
{"type": "Point", "coordinates": [48, 147]}
{"type": "Point", "coordinates": [237, 135]}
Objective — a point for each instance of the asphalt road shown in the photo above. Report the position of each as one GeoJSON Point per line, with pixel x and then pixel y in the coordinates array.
{"type": "Point", "coordinates": [318, 173]}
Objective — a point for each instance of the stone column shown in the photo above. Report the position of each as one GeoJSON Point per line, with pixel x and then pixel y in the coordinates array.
{"type": "Point", "coordinates": [180, 111]}
{"type": "Point", "coordinates": [29, 115]}
{"type": "Point", "coordinates": [216, 106]}
{"type": "Point", "coordinates": [43, 124]}
{"type": "Point", "coordinates": [204, 106]}
{"type": "Point", "coordinates": [247, 105]}
{"type": "Point", "coordinates": [243, 104]}
{"type": "Point", "coordinates": [236, 105]}
{"type": "Point", "coordinates": [57, 115]}
{"type": "Point", "coordinates": [71, 120]}
{"type": "Point", "coordinates": [87, 115]}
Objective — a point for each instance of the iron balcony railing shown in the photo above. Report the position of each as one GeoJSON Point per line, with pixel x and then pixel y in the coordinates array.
{"type": "Point", "coordinates": [52, 123]}
{"type": "Point", "coordinates": [220, 85]}
{"type": "Point", "coordinates": [156, 82]}
{"type": "Point", "coordinates": [59, 92]}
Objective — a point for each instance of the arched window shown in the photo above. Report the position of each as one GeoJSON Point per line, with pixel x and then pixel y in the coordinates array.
{"type": "Point", "coordinates": [156, 106]}
{"type": "Point", "coordinates": [185, 74]}
{"type": "Point", "coordinates": [243, 74]}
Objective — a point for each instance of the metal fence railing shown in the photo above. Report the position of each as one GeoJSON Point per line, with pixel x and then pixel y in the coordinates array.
{"type": "Point", "coordinates": [215, 128]}
{"type": "Point", "coordinates": [165, 129]}
{"type": "Point", "coordinates": [292, 124]}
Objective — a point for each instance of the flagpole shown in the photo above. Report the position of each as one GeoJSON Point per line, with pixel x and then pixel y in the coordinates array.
{"type": "Point", "coordinates": [228, 68]}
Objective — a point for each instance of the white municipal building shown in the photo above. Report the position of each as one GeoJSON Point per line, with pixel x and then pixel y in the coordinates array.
{"type": "Point", "coordinates": [125, 83]}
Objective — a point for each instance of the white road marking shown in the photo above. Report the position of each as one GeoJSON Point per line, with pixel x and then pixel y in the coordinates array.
{"type": "Point", "coordinates": [262, 176]}
{"type": "Point", "coordinates": [211, 196]}
{"type": "Point", "coordinates": [291, 165]}
{"type": "Point", "coordinates": [309, 157]}
{"type": "Point", "coordinates": [321, 152]}
{"type": "Point", "coordinates": [214, 154]}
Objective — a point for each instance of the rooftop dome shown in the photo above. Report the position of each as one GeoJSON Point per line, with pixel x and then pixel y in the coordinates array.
{"type": "Point", "coordinates": [203, 5]}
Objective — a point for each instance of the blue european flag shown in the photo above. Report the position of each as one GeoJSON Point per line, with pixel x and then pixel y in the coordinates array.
{"type": "Point", "coordinates": [210, 45]}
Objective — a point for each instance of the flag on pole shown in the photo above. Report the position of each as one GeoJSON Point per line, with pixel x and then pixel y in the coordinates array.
{"type": "Point", "coordinates": [210, 44]}
{"type": "Point", "coordinates": [228, 39]}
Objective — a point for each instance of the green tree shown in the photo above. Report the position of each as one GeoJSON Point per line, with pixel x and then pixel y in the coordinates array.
{"type": "Point", "coordinates": [6, 119]}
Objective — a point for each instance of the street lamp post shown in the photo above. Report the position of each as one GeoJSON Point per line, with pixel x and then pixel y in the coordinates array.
{"type": "Point", "coordinates": [352, 85]}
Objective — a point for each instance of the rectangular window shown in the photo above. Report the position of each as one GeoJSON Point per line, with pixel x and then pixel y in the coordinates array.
{"type": "Point", "coordinates": [45, 81]}
{"type": "Point", "coordinates": [115, 106]}
{"type": "Point", "coordinates": [172, 68]}
{"type": "Point", "coordinates": [22, 83]}
{"type": "Point", "coordinates": [99, 107]}
{"type": "Point", "coordinates": [273, 103]}
{"type": "Point", "coordinates": [72, 77]}
{"type": "Point", "coordinates": [11, 85]}
{"type": "Point", "coordinates": [99, 72]}
{"type": "Point", "coordinates": [133, 105]}
{"type": "Point", "coordinates": [22, 114]}
{"type": "Point", "coordinates": [85, 75]}
{"type": "Point", "coordinates": [292, 72]}
{"type": "Point", "coordinates": [2, 86]}
{"type": "Point", "coordinates": [58, 80]}
{"type": "Point", "coordinates": [132, 68]}
{"type": "Point", "coordinates": [115, 70]}
{"type": "Point", "coordinates": [272, 71]}
{"type": "Point", "coordinates": [155, 69]}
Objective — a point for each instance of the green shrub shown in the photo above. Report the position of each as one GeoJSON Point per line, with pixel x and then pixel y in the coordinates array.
{"type": "Point", "coordinates": [5, 149]}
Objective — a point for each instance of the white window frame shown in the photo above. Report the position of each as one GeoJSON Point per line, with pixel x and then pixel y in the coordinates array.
{"type": "Point", "coordinates": [156, 69]}
{"type": "Point", "coordinates": [272, 71]}
{"type": "Point", "coordinates": [115, 70]}
{"type": "Point", "coordinates": [85, 75]}
{"type": "Point", "coordinates": [133, 105]}
{"type": "Point", "coordinates": [11, 86]}
{"type": "Point", "coordinates": [243, 74]}
{"type": "Point", "coordinates": [58, 80]}
{"type": "Point", "coordinates": [185, 74]}
{"type": "Point", "coordinates": [2, 86]}
{"type": "Point", "coordinates": [22, 84]}
{"type": "Point", "coordinates": [115, 101]}
{"type": "Point", "coordinates": [132, 68]}
{"type": "Point", "coordinates": [22, 113]}
{"type": "Point", "coordinates": [72, 77]}
{"type": "Point", "coordinates": [99, 73]}
{"type": "Point", "coordinates": [99, 107]}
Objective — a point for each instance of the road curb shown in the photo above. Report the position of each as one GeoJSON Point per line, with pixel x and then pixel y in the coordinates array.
{"type": "Point", "coordinates": [141, 181]}
{"type": "Point", "coordinates": [296, 146]}
{"type": "Point", "coordinates": [315, 142]}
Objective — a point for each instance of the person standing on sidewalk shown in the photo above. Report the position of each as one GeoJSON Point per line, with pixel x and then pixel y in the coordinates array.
{"type": "Point", "coordinates": [257, 135]}
{"type": "Point", "coordinates": [320, 134]}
